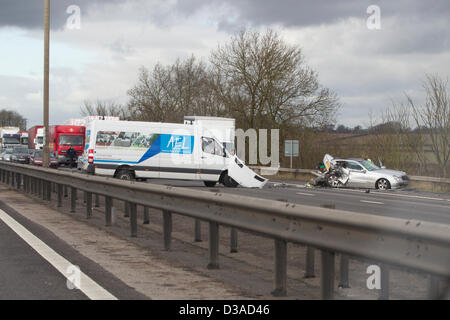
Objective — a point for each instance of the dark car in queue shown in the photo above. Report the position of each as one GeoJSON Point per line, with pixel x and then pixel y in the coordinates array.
{"type": "Point", "coordinates": [36, 159]}
{"type": "Point", "coordinates": [20, 155]}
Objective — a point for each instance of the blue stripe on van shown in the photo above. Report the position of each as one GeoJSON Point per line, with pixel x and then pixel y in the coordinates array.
{"type": "Point", "coordinates": [171, 144]}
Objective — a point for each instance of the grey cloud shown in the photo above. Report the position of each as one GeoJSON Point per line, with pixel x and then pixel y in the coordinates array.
{"type": "Point", "coordinates": [310, 12]}
{"type": "Point", "coordinates": [29, 14]}
{"type": "Point", "coordinates": [407, 25]}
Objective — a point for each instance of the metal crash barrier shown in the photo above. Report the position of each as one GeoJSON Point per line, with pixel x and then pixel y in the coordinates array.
{"type": "Point", "coordinates": [411, 244]}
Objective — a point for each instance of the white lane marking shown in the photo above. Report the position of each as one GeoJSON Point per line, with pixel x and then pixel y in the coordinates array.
{"type": "Point", "coordinates": [88, 286]}
{"type": "Point", "coordinates": [374, 202]}
{"type": "Point", "coordinates": [306, 194]}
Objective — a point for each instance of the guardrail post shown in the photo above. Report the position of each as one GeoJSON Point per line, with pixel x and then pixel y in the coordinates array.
{"type": "Point", "coordinates": [88, 205]}
{"type": "Point", "coordinates": [309, 273]}
{"type": "Point", "coordinates": [12, 179]}
{"type": "Point", "coordinates": [213, 246]}
{"type": "Point", "coordinates": [127, 209]}
{"type": "Point", "coordinates": [40, 185]}
{"type": "Point", "coordinates": [198, 231]}
{"type": "Point", "coordinates": [133, 219]}
{"type": "Point", "coordinates": [167, 225]}
{"type": "Point", "coordinates": [384, 291]}
{"type": "Point", "coordinates": [433, 287]}
{"type": "Point", "coordinates": [96, 201]}
{"type": "Point", "coordinates": [19, 181]}
{"type": "Point", "coordinates": [65, 192]}
{"type": "Point", "coordinates": [233, 240]}
{"type": "Point", "coordinates": [327, 275]}
{"type": "Point", "coordinates": [48, 190]}
{"type": "Point", "coordinates": [280, 288]}
{"type": "Point", "coordinates": [108, 211]}
{"type": "Point", "coordinates": [343, 271]}
{"type": "Point", "coordinates": [146, 216]}
{"type": "Point", "coordinates": [84, 196]}
{"type": "Point", "coordinates": [7, 177]}
{"type": "Point", "coordinates": [60, 195]}
{"type": "Point", "coordinates": [43, 190]}
{"type": "Point", "coordinates": [73, 199]}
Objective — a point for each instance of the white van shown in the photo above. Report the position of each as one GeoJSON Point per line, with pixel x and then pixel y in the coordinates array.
{"type": "Point", "coordinates": [190, 151]}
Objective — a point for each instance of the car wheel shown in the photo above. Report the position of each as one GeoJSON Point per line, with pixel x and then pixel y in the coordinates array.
{"type": "Point", "coordinates": [383, 184]}
{"type": "Point", "coordinates": [125, 175]}
{"type": "Point", "coordinates": [210, 184]}
{"type": "Point", "coordinates": [333, 181]}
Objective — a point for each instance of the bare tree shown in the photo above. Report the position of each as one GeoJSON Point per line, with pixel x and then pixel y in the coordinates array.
{"type": "Point", "coordinates": [104, 108]}
{"type": "Point", "coordinates": [168, 93]}
{"type": "Point", "coordinates": [265, 83]}
{"type": "Point", "coordinates": [433, 118]}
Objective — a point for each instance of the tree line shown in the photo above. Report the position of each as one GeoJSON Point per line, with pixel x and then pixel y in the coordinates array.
{"type": "Point", "coordinates": [9, 118]}
{"type": "Point", "coordinates": [256, 78]}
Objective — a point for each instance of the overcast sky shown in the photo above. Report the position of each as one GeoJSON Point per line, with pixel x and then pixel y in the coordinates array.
{"type": "Point", "coordinates": [367, 68]}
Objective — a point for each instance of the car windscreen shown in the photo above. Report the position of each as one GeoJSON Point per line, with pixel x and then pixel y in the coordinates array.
{"type": "Point", "coordinates": [20, 150]}
{"type": "Point", "coordinates": [71, 140]}
{"type": "Point", "coordinates": [369, 165]}
{"type": "Point", "coordinates": [40, 140]}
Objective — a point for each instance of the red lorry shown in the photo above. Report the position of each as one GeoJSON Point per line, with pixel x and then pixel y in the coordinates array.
{"type": "Point", "coordinates": [32, 133]}
{"type": "Point", "coordinates": [63, 137]}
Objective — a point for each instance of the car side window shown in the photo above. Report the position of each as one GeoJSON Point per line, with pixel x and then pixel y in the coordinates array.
{"type": "Point", "coordinates": [354, 166]}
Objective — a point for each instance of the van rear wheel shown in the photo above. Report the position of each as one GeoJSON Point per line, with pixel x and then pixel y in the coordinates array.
{"type": "Point", "coordinates": [125, 175]}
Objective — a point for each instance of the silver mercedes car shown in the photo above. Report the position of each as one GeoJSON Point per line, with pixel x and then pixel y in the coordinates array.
{"type": "Point", "coordinates": [365, 174]}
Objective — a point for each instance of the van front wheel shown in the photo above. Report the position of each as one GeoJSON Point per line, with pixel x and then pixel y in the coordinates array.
{"type": "Point", "coordinates": [229, 181]}
{"type": "Point", "coordinates": [210, 184]}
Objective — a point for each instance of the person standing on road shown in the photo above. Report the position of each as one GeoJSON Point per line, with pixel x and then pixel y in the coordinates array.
{"type": "Point", "coordinates": [71, 153]}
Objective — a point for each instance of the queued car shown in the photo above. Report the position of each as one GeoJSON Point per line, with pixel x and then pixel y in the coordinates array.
{"type": "Point", "coordinates": [6, 154]}
{"type": "Point", "coordinates": [20, 155]}
{"type": "Point", "coordinates": [36, 159]}
{"type": "Point", "coordinates": [364, 173]}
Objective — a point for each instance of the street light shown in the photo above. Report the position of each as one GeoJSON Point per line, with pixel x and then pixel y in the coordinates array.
{"type": "Point", "coordinates": [45, 155]}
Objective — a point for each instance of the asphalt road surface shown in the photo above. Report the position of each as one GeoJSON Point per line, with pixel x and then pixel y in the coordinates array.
{"type": "Point", "coordinates": [33, 267]}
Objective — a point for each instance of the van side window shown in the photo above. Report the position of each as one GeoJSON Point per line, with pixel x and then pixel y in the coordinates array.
{"type": "Point", "coordinates": [208, 145]}
{"type": "Point", "coordinates": [218, 151]}
{"type": "Point", "coordinates": [211, 146]}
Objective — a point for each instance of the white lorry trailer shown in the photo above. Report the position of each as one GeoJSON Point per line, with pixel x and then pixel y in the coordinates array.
{"type": "Point", "coordinates": [188, 151]}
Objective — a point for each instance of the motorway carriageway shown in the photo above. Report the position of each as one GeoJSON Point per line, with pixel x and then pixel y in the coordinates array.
{"type": "Point", "coordinates": [398, 203]}
{"type": "Point", "coordinates": [405, 204]}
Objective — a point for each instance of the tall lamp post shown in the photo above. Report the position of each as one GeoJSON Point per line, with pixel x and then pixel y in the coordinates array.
{"type": "Point", "coordinates": [45, 155]}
